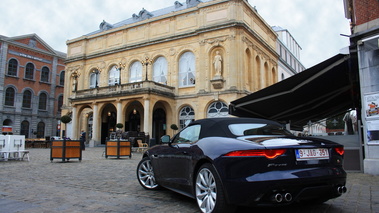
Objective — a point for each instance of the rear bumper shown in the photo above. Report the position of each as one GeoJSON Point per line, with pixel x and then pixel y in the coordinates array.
{"type": "Point", "coordinates": [299, 185]}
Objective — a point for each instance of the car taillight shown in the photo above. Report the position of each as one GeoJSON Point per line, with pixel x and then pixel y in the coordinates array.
{"type": "Point", "coordinates": [340, 150]}
{"type": "Point", "coordinates": [268, 153]}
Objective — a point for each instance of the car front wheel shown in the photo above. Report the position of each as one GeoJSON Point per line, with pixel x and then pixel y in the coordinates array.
{"type": "Point", "coordinates": [145, 174]}
{"type": "Point", "coordinates": [209, 193]}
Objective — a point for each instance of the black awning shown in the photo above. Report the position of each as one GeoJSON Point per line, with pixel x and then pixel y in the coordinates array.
{"type": "Point", "coordinates": [317, 93]}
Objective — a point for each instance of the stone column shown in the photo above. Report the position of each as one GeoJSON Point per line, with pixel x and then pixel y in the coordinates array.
{"type": "Point", "coordinates": [146, 118]}
{"type": "Point", "coordinates": [74, 124]}
{"type": "Point", "coordinates": [95, 127]}
{"type": "Point", "coordinates": [119, 112]}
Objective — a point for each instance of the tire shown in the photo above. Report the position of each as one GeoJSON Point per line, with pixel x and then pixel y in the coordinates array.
{"type": "Point", "coordinates": [209, 193]}
{"type": "Point", "coordinates": [145, 174]}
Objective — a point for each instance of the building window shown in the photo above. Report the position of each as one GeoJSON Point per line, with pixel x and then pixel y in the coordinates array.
{"type": "Point", "coordinates": [187, 70]}
{"type": "Point", "coordinates": [60, 103]}
{"type": "Point", "coordinates": [41, 130]}
{"type": "Point", "coordinates": [12, 67]}
{"type": "Point", "coordinates": [61, 78]}
{"type": "Point", "coordinates": [218, 109]}
{"type": "Point", "coordinates": [42, 101]}
{"type": "Point", "coordinates": [160, 70]}
{"type": "Point", "coordinates": [27, 99]}
{"type": "Point", "coordinates": [29, 71]}
{"type": "Point", "coordinates": [45, 74]}
{"type": "Point", "coordinates": [186, 115]}
{"type": "Point", "coordinates": [25, 129]}
{"type": "Point", "coordinates": [94, 79]}
{"type": "Point", "coordinates": [114, 76]}
{"type": "Point", "coordinates": [135, 74]}
{"type": "Point", "coordinates": [9, 96]}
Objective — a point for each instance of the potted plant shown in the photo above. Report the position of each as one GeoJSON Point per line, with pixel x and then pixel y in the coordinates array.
{"type": "Point", "coordinates": [65, 119]}
{"type": "Point", "coordinates": [174, 127]}
{"type": "Point", "coordinates": [119, 125]}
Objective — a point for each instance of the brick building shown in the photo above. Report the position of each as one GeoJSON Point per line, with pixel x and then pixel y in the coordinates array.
{"type": "Point", "coordinates": [32, 80]}
{"type": "Point", "coordinates": [364, 48]}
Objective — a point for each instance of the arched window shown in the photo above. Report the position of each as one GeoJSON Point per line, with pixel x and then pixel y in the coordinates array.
{"type": "Point", "coordinates": [60, 103]}
{"type": "Point", "coordinates": [94, 79]}
{"type": "Point", "coordinates": [9, 96]}
{"type": "Point", "coordinates": [187, 70]}
{"type": "Point", "coordinates": [135, 73]}
{"type": "Point", "coordinates": [45, 74]}
{"type": "Point", "coordinates": [29, 71]}
{"type": "Point", "coordinates": [42, 101]}
{"type": "Point", "coordinates": [160, 70]}
{"type": "Point", "coordinates": [41, 130]}
{"type": "Point", "coordinates": [25, 129]}
{"type": "Point", "coordinates": [27, 99]}
{"type": "Point", "coordinates": [186, 115]}
{"type": "Point", "coordinates": [12, 67]}
{"type": "Point", "coordinates": [61, 78]}
{"type": "Point", "coordinates": [114, 76]}
{"type": "Point", "coordinates": [218, 109]}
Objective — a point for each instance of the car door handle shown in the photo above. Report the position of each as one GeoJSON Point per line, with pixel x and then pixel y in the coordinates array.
{"type": "Point", "coordinates": [185, 153]}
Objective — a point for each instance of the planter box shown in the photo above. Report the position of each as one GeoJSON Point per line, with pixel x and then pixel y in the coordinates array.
{"type": "Point", "coordinates": [65, 150]}
{"type": "Point", "coordinates": [118, 149]}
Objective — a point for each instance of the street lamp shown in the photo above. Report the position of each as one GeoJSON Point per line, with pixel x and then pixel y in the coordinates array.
{"type": "Point", "coordinates": [146, 63]}
{"type": "Point", "coordinates": [97, 72]}
{"type": "Point", "coordinates": [120, 67]}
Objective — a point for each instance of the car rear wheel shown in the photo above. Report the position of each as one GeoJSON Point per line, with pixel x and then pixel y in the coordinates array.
{"type": "Point", "coordinates": [209, 193]}
{"type": "Point", "coordinates": [145, 174]}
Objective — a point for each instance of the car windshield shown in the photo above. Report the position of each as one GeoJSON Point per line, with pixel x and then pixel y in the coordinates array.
{"type": "Point", "coordinates": [245, 129]}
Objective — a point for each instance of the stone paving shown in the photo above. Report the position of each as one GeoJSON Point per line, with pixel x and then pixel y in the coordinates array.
{"type": "Point", "coordinates": [97, 184]}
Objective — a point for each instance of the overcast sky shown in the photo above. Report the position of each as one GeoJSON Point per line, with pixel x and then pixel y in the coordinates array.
{"type": "Point", "coordinates": [315, 24]}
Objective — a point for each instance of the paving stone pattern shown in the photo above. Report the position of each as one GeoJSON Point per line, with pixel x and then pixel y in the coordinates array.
{"type": "Point", "coordinates": [96, 184]}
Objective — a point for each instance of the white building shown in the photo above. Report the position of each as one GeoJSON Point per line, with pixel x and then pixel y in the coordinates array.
{"type": "Point", "coordinates": [289, 54]}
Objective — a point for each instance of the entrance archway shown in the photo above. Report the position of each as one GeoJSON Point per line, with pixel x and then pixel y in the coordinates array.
{"type": "Point", "coordinates": [159, 123]}
{"type": "Point", "coordinates": [109, 119]}
{"type": "Point", "coordinates": [134, 121]}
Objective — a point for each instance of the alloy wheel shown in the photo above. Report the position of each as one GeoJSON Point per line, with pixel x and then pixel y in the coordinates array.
{"type": "Point", "coordinates": [206, 190]}
{"type": "Point", "coordinates": [146, 175]}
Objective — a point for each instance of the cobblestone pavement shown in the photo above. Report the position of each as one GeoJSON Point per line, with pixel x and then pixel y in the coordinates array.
{"type": "Point", "coordinates": [97, 184]}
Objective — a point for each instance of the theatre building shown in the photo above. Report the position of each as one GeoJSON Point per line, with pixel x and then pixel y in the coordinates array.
{"type": "Point", "coordinates": [168, 66]}
{"type": "Point", "coordinates": [32, 80]}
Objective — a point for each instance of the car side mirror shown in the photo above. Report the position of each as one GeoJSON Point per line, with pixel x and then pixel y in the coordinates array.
{"type": "Point", "coordinates": [165, 139]}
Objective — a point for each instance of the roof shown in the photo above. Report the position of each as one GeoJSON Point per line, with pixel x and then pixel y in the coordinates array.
{"type": "Point", "coordinates": [219, 126]}
{"type": "Point", "coordinates": [322, 91]}
{"type": "Point", "coordinates": [47, 48]}
{"type": "Point", "coordinates": [144, 14]}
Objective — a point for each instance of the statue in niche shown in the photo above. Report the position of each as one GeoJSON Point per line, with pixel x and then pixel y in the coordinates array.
{"type": "Point", "coordinates": [74, 84]}
{"type": "Point", "coordinates": [217, 63]}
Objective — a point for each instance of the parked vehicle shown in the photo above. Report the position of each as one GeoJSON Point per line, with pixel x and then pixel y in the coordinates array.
{"type": "Point", "coordinates": [225, 162]}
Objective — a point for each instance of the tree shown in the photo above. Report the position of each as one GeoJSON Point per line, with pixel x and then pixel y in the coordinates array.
{"type": "Point", "coordinates": [65, 119]}
{"type": "Point", "coordinates": [174, 127]}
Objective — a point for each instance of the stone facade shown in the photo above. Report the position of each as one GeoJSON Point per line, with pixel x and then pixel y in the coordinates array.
{"type": "Point", "coordinates": [167, 67]}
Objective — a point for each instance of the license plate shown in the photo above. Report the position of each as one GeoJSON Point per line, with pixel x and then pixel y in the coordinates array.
{"type": "Point", "coordinates": [312, 154]}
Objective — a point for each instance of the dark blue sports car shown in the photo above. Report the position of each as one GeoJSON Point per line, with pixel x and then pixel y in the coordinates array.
{"type": "Point", "coordinates": [226, 162]}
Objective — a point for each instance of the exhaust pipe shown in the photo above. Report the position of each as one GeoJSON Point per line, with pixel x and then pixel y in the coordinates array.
{"type": "Point", "coordinates": [278, 198]}
{"type": "Point", "coordinates": [288, 197]}
{"type": "Point", "coordinates": [341, 189]}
